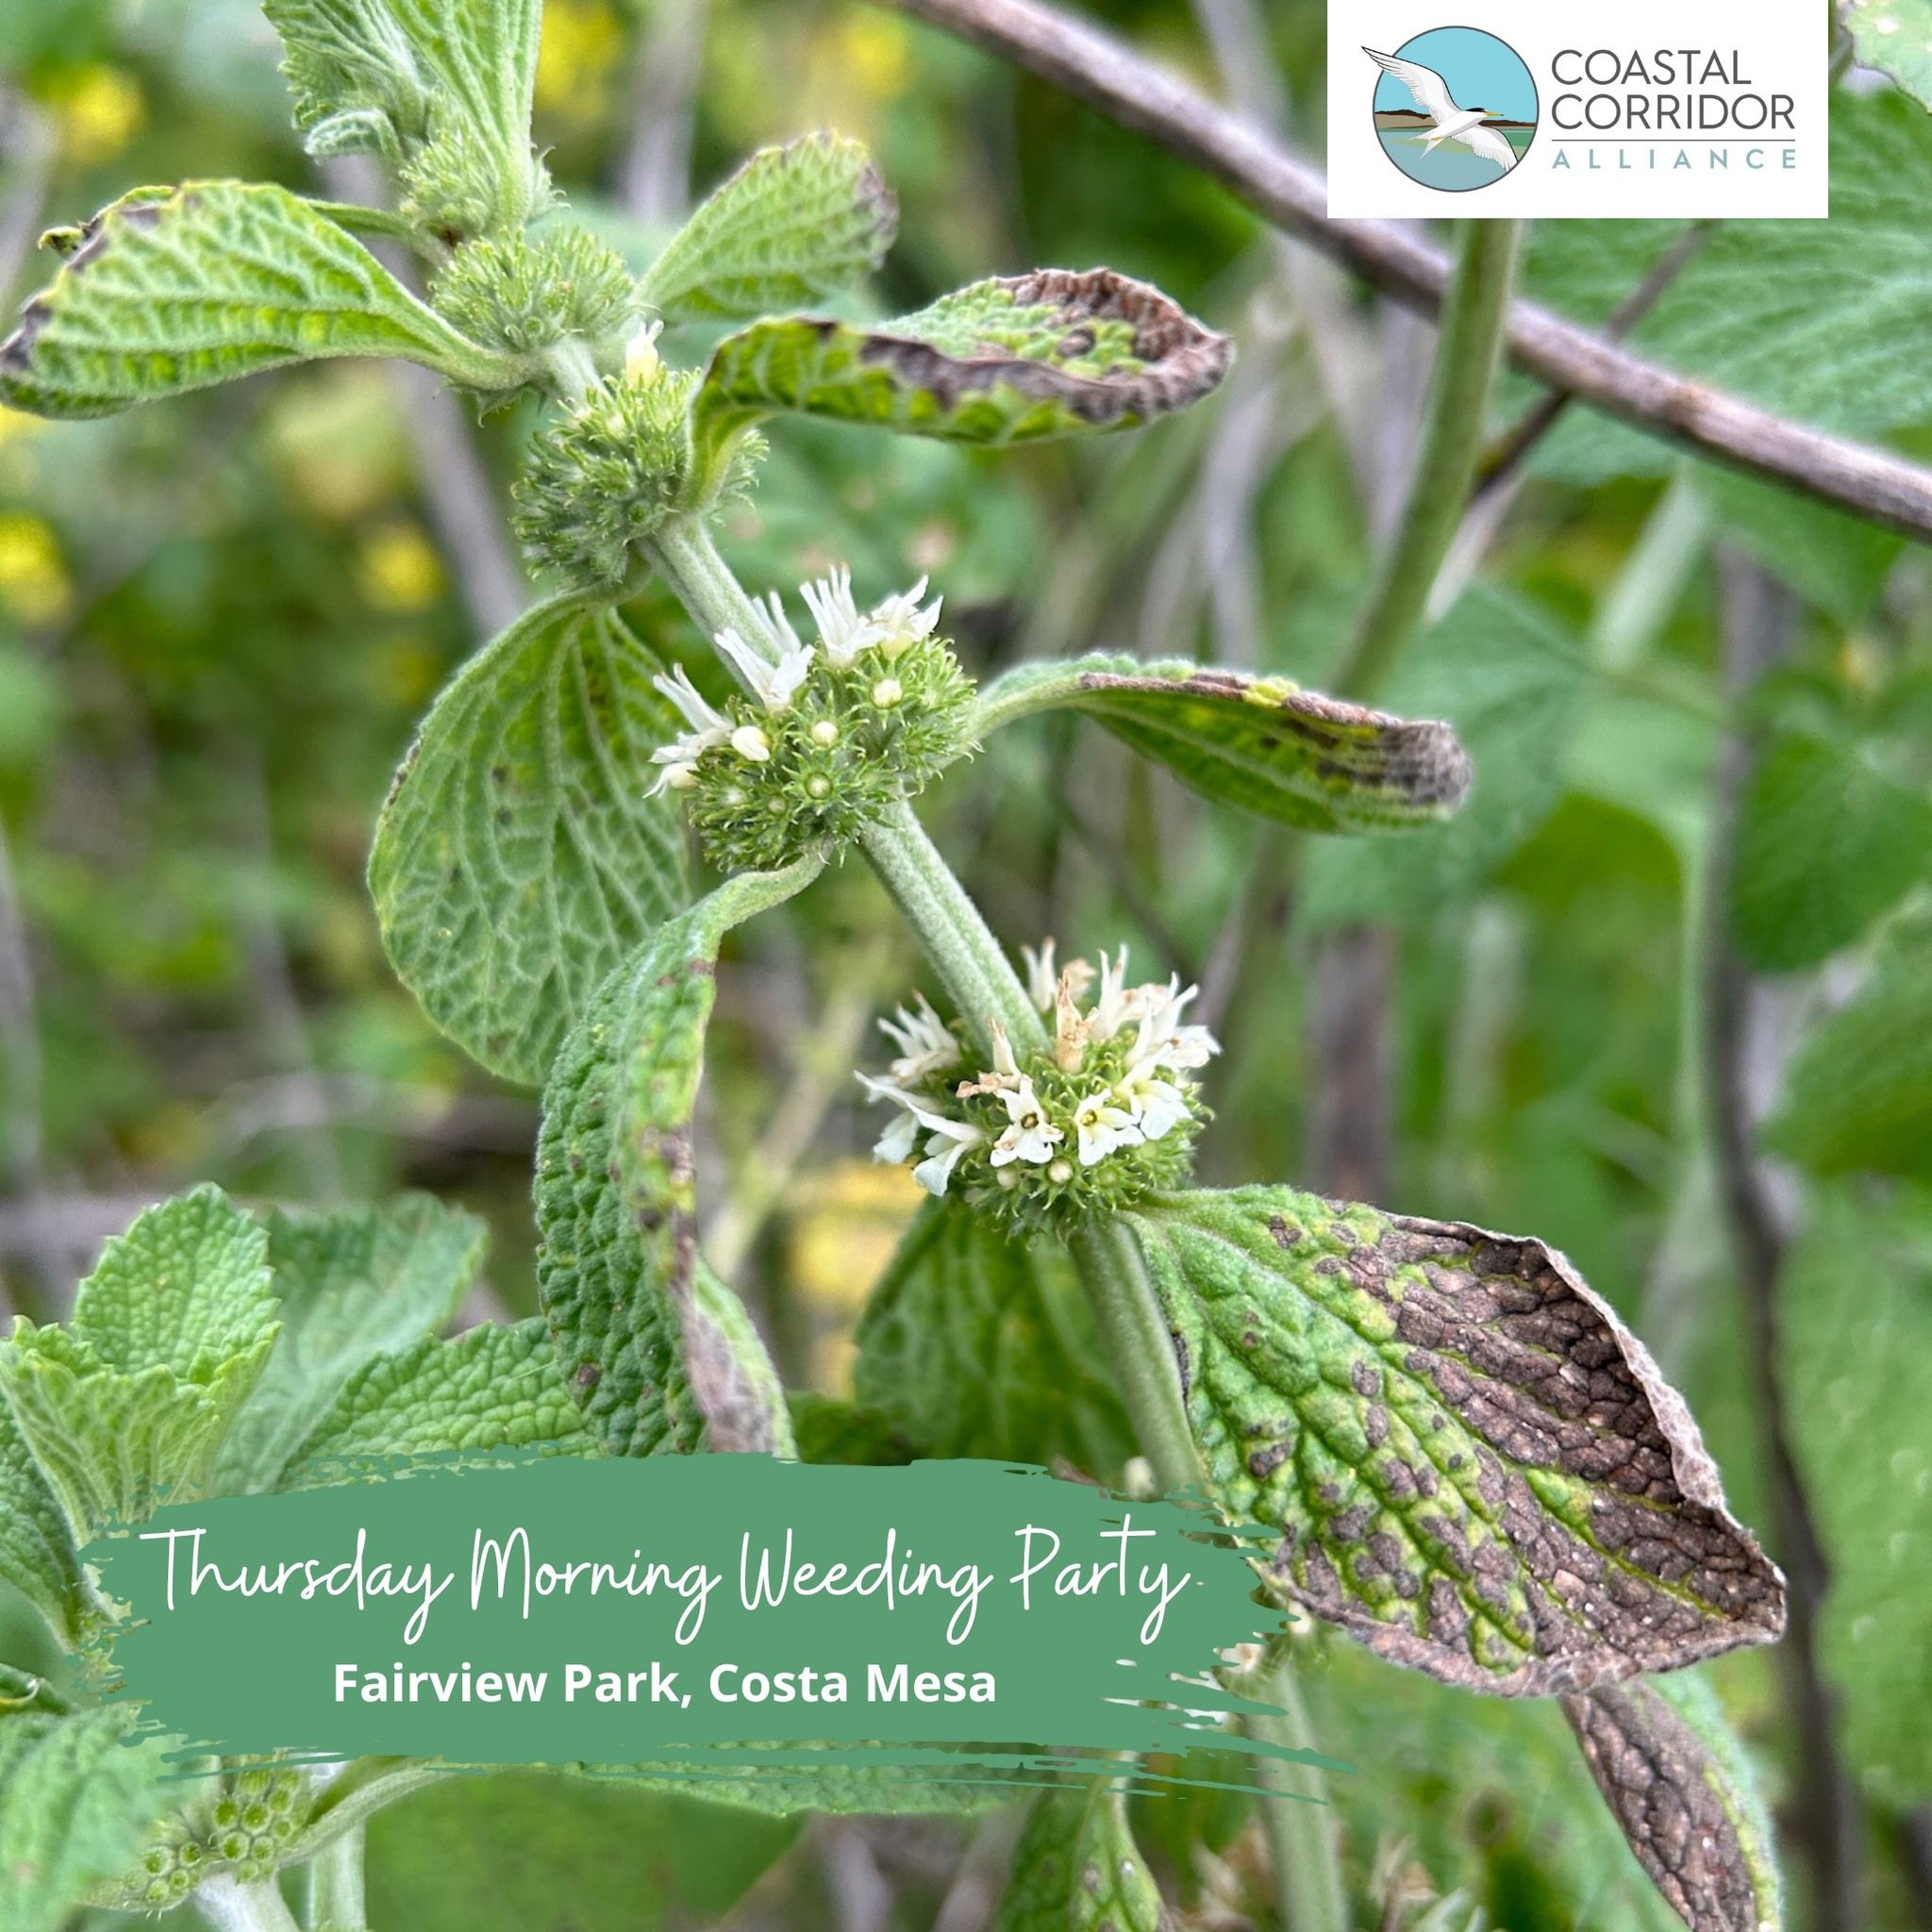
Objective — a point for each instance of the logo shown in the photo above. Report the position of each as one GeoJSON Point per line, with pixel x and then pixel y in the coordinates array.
{"type": "Point", "coordinates": [1454, 107]}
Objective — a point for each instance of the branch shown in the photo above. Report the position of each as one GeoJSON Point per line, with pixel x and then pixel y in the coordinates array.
{"type": "Point", "coordinates": [1122, 85]}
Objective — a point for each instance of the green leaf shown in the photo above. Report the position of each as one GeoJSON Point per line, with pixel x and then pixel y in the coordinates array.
{"type": "Point", "coordinates": [845, 1787]}
{"type": "Point", "coordinates": [1003, 362]}
{"type": "Point", "coordinates": [519, 860]}
{"type": "Point", "coordinates": [1858, 1093]}
{"type": "Point", "coordinates": [1821, 321]}
{"type": "Point", "coordinates": [1076, 1868]}
{"type": "Point", "coordinates": [170, 1333]}
{"type": "Point", "coordinates": [36, 1549]}
{"type": "Point", "coordinates": [794, 225]}
{"type": "Point", "coordinates": [186, 1287]}
{"type": "Point", "coordinates": [1512, 686]}
{"type": "Point", "coordinates": [389, 76]}
{"type": "Point", "coordinates": [976, 1344]}
{"type": "Point", "coordinates": [1475, 1467]}
{"type": "Point", "coordinates": [1856, 1354]}
{"type": "Point", "coordinates": [488, 1854]}
{"type": "Point", "coordinates": [494, 1386]}
{"type": "Point", "coordinates": [1895, 38]}
{"type": "Point", "coordinates": [1833, 559]}
{"type": "Point", "coordinates": [1262, 745]}
{"type": "Point", "coordinates": [168, 293]}
{"type": "Point", "coordinates": [75, 1806]}
{"type": "Point", "coordinates": [826, 1429]}
{"type": "Point", "coordinates": [1681, 1790]}
{"type": "Point", "coordinates": [354, 1284]}
{"type": "Point", "coordinates": [1826, 844]}
{"type": "Point", "coordinates": [659, 1354]}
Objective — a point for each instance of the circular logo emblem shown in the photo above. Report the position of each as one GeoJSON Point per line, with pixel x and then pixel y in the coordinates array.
{"type": "Point", "coordinates": [1454, 107]}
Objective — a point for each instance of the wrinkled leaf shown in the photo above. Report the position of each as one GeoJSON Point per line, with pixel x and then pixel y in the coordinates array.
{"type": "Point", "coordinates": [353, 1284]}
{"type": "Point", "coordinates": [1894, 37]}
{"type": "Point", "coordinates": [794, 225]}
{"type": "Point", "coordinates": [170, 292]}
{"type": "Point", "coordinates": [518, 859]}
{"type": "Point", "coordinates": [1003, 362]}
{"type": "Point", "coordinates": [1826, 844]}
{"type": "Point", "coordinates": [1858, 1093]}
{"type": "Point", "coordinates": [36, 1549]}
{"type": "Point", "coordinates": [1259, 744]}
{"type": "Point", "coordinates": [1855, 1353]}
{"type": "Point", "coordinates": [1076, 1868]}
{"type": "Point", "coordinates": [75, 1806]}
{"type": "Point", "coordinates": [842, 1787]}
{"type": "Point", "coordinates": [1679, 1786]}
{"type": "Point", "coordinates": [825, 1430]}
{"type": "Point", "coordinates": [975, 1344]}
{"type": "Point", "coordinates": [494, 1386]}
{"type": "Point", "coordinates": [659, 1354]}
{"type": "Point", "coordinates": [1476, 1468]}
{"type": "Point", "coordinates": [1510, 685]}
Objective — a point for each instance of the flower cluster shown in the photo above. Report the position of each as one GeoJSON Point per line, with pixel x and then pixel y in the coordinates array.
{"type": "Point", "coordinates": [1103, 1114]}
{"type": "Point", "coordinates": [832, 732]}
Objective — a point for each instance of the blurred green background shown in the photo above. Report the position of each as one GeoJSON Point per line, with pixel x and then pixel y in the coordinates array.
{"type": "Point", "coordinates": [1686, 898]}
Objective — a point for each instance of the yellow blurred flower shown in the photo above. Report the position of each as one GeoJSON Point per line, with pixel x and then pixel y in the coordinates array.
{"type": "Point", "coordinates": [582, 42]}
{"type": "Point", "coordinates": [398, 569]}
{"type": "Point", "coordinates": [874, 55]}
{"type": "Point", "coordinates": [838, 1246]}
{"type": "Point", "coordinates": [101, 110]}
{"type": "Point", "coordinates": [35, 589]}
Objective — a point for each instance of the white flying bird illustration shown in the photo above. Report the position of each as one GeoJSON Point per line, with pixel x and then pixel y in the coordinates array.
{"type": "Point", "coordinates": [1430, 92]}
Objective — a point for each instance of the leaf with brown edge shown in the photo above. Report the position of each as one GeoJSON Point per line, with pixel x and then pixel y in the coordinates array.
{"type": "Point", "coordinates": [1260, 745]}
{"type": "Point", "coordinates": [1681, 1792]}
{"type": "Point", "coordinates": [1013, 360]}
{"type": "Point", "coordinates": [657, 1353]}
{"type": "Point", "coordinates": [1476, 1468]}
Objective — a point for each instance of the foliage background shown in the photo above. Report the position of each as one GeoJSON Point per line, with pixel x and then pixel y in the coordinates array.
{"type": "Point", "coordinates": [221, 621]}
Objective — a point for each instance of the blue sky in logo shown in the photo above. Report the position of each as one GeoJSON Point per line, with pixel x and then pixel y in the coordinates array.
{"type": "Point", "coordinates": [1481, 71]}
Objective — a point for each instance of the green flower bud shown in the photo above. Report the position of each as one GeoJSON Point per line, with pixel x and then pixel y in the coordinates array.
{"type": "Point", "coordinates": [520, 294]}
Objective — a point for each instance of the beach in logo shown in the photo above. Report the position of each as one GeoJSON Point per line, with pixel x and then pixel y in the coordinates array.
{"type": "Point", "coordinates": [1454, 107]}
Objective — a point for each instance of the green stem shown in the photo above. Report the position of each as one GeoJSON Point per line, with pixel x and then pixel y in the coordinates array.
{"type": "Point", "coordinates": [682, 553]}
{"type": "Point", "coordinates": [228, 1905]}
{"type": "Point", "coordinates": [336, 1901]}
{"type": "Point", "coordinates": [1296, 1819]}
{"type": "Point", "coordinates": [1467, 350]}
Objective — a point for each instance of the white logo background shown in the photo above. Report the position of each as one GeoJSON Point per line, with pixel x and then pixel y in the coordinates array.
{"type": "Point", "coordinates": [1713, 166]}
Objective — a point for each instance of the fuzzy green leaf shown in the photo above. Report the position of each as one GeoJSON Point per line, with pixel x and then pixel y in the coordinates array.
{"type": "Point", "coordinates": [794, 225]}
{"type": "Point", "coordinates": [1259, 744]}
{"type": "Point", "coordinates": [1858, 1093]}
{"type": "Point", "coordinates": [494, 1386]}
{"type": "Point", "coordinates": [1512, 686]}
{"type": "Point", "coordinates": [1003, 362]}
{"type": "Point", "coordinates": [1076, 1868]}
{"type": "Point", "coordinates": [842, 1787]}
{"type": "Point", "coordinates": [975, 1344]}
{"type": "Point", "coordinates": [36, 1548]}
{"type": "Point", "coordinates": [1894, 37]}
{"type": "Point", "coordinates": [518, 859]}
{"type": "Point", "coordinates": [354, 1284]}
{"type": "Point", "coordinates": [1681, 1790]}
{"type": "Point", "coordinates": [1475, 1467]}
{"type": "Point", "coordinates": [75, 1806]}
{"type": "Point", "coordinates": [170, 291]}
{"type": "Point", "coordinates": [1826, 844]}
{"type": "Point", "coordinates": [1857, 1359]}
{"type": "Point", "coordinates": [397, 77]}
{"type": "Point", "coordinates": [826, 1429]}
{"type": "Point", "coordinates": [657, 1352]}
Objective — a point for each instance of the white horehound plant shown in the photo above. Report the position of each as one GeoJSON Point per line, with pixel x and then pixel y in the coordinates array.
{"type": "Point", "coordinates": [1468, 1463]}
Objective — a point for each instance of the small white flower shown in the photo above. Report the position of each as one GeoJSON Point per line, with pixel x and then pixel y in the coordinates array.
{"type": "Point", "coordinates": [1164, 1040]}
{"type": "Point", "coordinates": [1031, 1135]}
{"type": "Point", "coordinates": [640, 358]}
{"type": "Point", "coordinates": [1158, 1105]}
{"type": "Point", "coordinates": [1006, 1069]}
{"type": "Point", "coordinates": [708, 725]}
{"type": "Point", "coordinates": [843, 632]}
{"type": "Point", "coordinates": [1042, 980]}
{"type": "Point", "coordinates": [1119, 1004]}
{"type": "Point", "coordinates": [927, 1044]}
{"type": "Point", "coordinates": [824, 732]}
{"type": "Point", "coordinates": [947, 1143]}
{"type": "Point", "coordinates": [895, 1143]}
{"type": "Point", "coordinates": [748, 741]}
{"type": "Point", "coordinates": [1101, 1124]}
{"type": "Point", "coordinates": [774, 684]}
{"type": "Point", "coordinates": [1070, 1031]}
{"type": "Point", "coordinates": [900, 621]}
{"type": "Point", "coordinates": [679, 773]}
{"type": "Point", "coordinates": [887, 692]}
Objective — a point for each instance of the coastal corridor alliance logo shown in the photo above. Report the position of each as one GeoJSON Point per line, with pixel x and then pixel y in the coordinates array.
{"type": "Point", "coordinates": [1454, 107]}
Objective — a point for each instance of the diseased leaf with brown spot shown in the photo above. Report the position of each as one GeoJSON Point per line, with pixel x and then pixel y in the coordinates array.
{"type": "Point", "coordinates": [1013, 360]}
{"type": "Point", "coordinates": [1262, 745]}
{"type": "Point", "coordinates": [659, 1354]}
{"type": "Point", "coordinates": [1475, 1468]}
{"type": "Point", "coordinates": [1680, 1788]}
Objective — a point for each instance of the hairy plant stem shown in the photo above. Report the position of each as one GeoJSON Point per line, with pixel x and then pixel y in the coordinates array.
{"type": "Point", "coordinates": [335, 1902]}
{"type": "Point", "coordinates": [1298, 1825]}
{"type": "Point", "coordinates": [229, 1906]}
{"type": "Point", "coordinates": [682, 553]}
{"type": "Point", "coordinates": [1467, 352]}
